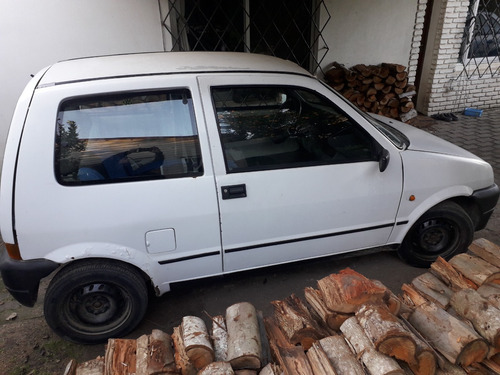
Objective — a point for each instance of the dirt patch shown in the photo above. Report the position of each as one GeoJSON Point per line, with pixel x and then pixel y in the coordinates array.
{"type": "Point", "coordinates": [28, 346]}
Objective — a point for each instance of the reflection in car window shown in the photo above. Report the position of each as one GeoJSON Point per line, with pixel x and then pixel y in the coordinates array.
{"type": "Point", "coordinates": [270, 127]}
{"type": "Point", "coordinates": [123, 137]}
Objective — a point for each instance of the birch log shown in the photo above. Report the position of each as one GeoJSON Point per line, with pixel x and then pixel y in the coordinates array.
{"type": "Point", "coordinates": [341, 356]}
{"type": "Point", "coordinates": [217, 368]}
{"type": "Point", "coordinates": [485, 318]}
{"type": "Point", "coordinates": [244, 343]}
{"type": "Point", "coordinates": [433, 289]}
{"type": "Point", "coordinates": [376, 363]}
{"type": "Point", "coordinates": [386, 333]}
{"type": "Point", "coordinates": [155, 354]}
{"type": "Point", "coordinates": [92, 367]}
{"type": "Point", "coordinates": [219, 338]}
{"type": "Point", "coordinates": [196, 341]}
{"type": "Point", "coordinates": [454, 339]}
{"type": "Point", "coordinates": [491, 292]}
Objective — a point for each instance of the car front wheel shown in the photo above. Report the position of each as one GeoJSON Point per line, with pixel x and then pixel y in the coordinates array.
{"type": "Point", "coordinates": [443, 231]}
{"type": "Point", "coordinates": [94, 300]}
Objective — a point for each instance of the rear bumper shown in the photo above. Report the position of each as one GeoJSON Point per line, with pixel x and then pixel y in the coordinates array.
{"type": "Point", "coordinates": [486, 200]}
{"type": "Point", "coordinates": [22, 277]}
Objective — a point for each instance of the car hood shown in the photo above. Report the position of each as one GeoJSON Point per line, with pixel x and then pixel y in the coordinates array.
{"type": "Point", "coordinates": [424, 141]}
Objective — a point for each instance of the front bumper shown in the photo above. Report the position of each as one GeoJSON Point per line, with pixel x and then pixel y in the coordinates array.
{"type": "Point", "coordinates": [22, 277]}
{"type": "Point", "coordinates": [486, 199]}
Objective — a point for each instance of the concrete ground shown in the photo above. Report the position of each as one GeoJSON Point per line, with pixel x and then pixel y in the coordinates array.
{"type": "Point", "coordinates": [211, 296]}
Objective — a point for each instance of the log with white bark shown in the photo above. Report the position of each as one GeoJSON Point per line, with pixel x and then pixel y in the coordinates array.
{"type": "Point", "coordinates": [454, 339]}
{"type": "Point", "coordinates": [475, 269]}
{"type": "Point", "coordinates": [244, 342]}
{"type": "Point", "coordinates": [219, 338]}
{"type": "Point", "coordinates": [217, 368]}
{"type": "Point", "coordinates": [197, 341]}
{"type": "Point", "coordinates": [376, 362]}
{"type": "Point", "coordinates": [296, 322]}
{"type": "Point", "coordinates": [332, 319]}
{"type": "Point", "coordinates": [154, 354]}
{"type": "Point", "coordinates": [182, 361]}
{"type": "Point", "coordinates": [490, 292]}
{"type": "Point", "coordinates": [341, 356]}
{"type": "Point", "coordinates": [486, 250]}
{"type": "Point", "coordinates": [319, 361]}
{"type": "Point", "coordinates": [433, 289]}
{"type": "Point", "coordinates": [386, 333]}
{"type": "Point", "coordinates": [485, 318]}
{"type": "Point", "coordinates": [450, 276]}
{"type": "Point", "coordinates": [92, 367]}
{"type": "Point", "coordinates": [345, 291]}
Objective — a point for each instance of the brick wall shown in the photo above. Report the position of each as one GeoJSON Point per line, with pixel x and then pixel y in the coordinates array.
{"type": "Point", "coordinates": [447, 84]}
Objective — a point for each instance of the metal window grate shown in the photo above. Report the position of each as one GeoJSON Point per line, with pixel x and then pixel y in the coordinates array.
{"type": "Point", "coordinates": [290, 29]}
{"type": "Point", "coordinates": [481, 41]}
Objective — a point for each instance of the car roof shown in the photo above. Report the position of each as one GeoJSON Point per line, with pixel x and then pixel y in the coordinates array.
{"type": "Point", "coordinates": [102, 67]}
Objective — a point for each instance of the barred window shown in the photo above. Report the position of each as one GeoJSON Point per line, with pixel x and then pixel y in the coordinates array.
{"type": "Point", "coordinates": [482, 34]}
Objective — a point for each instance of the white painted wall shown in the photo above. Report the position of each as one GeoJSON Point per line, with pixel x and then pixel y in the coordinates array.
{"type": "Point", "coordinates": [369, 32]}
{"type": "Point", "coordinates": [35, 33]}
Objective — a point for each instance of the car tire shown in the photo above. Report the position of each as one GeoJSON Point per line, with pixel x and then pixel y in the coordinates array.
{"type": "Point", "coordinates": [443, 231]}
{"type": "Point", "coordinates": [90, 301]}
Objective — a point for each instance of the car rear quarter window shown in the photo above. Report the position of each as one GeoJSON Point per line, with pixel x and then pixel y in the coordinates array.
{"type": "Point", "coordinates": [273, 127]}
{"type": "Point", "coordinates": [127, 137]}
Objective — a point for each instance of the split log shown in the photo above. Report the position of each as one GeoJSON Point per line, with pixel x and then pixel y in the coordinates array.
{"type": "Point", "coordinates": [270, 369]}
{"type": "Point", "coordinates": [450, 276]}
{"type": "Point", "coordinates": [196, 341]}
{"type": "Point", "coordinates": [332, 319]}
{"type": "Point", "coordinates": [154, 354]}
{"type": "Point", "coordinates": [492, 365]}
{"type": "Point", "coordinates": [490, 292]}
{"type": "Point", "coordinates": [476, 269]}
{"type": "Point", "coordinates": [341, 356]}
{"type": "Point", "coordinates": [376, 363]}
{"type": "Point", "coordinates": [92, 367]}
{"type": "Point", "coordinates": [217, 368]}
{"type": "Point", "coordinates": [393, 303]}
{"type": "Point", "coordinates": [296, 323]}
{"type": "Point", "coordinates": [244, 343]}
{"type": "Point", "coordinates": [292, 359]}
{"type": "Point", "coordinates": [484, 317]}
{"type": "Point", "coordinates": [219, 338]}
{"type": "Point", "coordinates": [319, 361]}
{"type": "Point", "coordinates": [120, 357]}
{"type": "Point", "coordinates": [454, 339]}
{"type": "Point", "coordinates": [486, 250]}
{"type": "Point", "coordinates": [433, 289]}
{"type": "Point", "coordinates": [386, 333]}
{"type": "Point", "coordinates": [182, 361]}
{"type": "Point", "coordinates": [345, 291]}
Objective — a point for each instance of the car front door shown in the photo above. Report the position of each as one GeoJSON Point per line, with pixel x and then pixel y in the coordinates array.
{"type": "Point", "coordinates": [297, 176]}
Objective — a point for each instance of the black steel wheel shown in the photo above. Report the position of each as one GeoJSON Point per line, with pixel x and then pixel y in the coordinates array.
{"type": "Point", "coordinates": [91, 301]}
{"type": "Point", "coordinates": [443, 231]}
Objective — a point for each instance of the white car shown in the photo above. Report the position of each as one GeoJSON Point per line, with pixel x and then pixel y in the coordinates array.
{"type": "Point", "coordinates": [129, 172]}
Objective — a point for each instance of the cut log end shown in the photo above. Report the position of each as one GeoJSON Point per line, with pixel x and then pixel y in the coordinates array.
{"type": "Point", "coordinates": [474, 351]}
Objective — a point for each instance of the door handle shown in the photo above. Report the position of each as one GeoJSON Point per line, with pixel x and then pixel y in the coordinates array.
{"type": "Point", "coordinates": [234, 191]}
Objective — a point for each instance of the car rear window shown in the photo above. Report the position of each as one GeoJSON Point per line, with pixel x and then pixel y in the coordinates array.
{"type": "Point", "coordinates": [127, 137]}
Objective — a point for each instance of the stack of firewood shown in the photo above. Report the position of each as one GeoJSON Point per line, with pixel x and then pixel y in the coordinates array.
{"type": "Point", "coordinates": [446, 322]}
{"type": "Point", "coordinates": [380, 89]}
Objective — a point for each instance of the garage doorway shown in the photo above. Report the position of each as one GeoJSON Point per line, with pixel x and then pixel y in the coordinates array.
{"type": "Point", "coordinates": [290, 29]}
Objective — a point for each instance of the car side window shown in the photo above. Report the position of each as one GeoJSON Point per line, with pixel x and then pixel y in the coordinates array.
{"type": "Point", "coordinates": [127, 137]}
{"type": "Point", "coordinates": [272, 127]}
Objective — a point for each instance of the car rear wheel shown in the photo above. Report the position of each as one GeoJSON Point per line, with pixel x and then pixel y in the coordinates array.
{"type": "Point", "coordinates": [443, 231]}
{"type": "Point", "coordinates": [94, 300]}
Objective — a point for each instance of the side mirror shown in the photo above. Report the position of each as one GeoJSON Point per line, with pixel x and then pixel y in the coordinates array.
{"type": "Point", "coordinates": [383, 159]}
